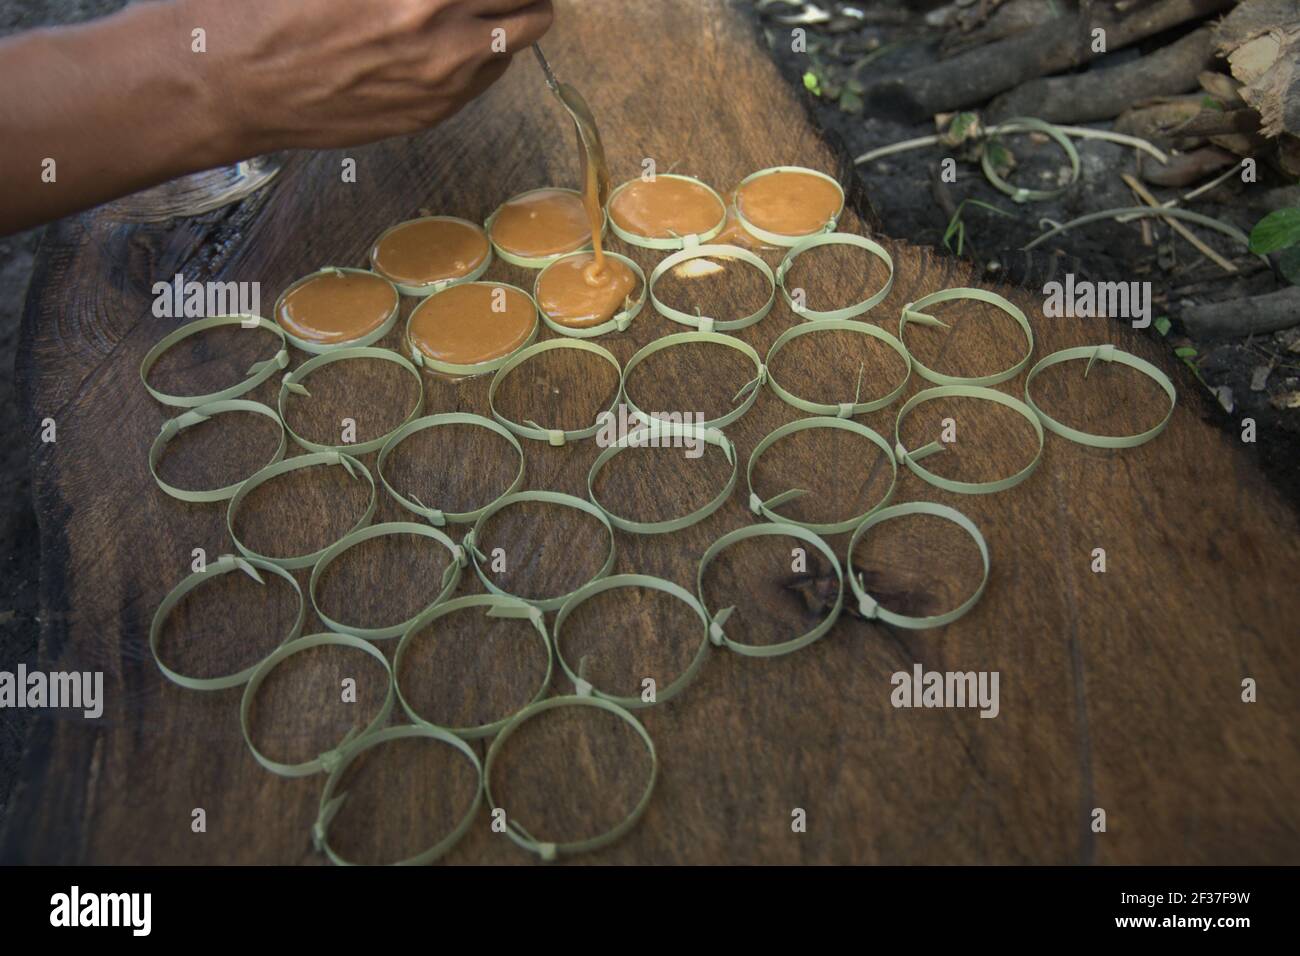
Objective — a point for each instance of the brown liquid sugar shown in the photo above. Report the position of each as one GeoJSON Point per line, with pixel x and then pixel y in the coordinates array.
{"type": "Point", "coordinates": [571, 295]}
{"type": "Point", "coordinates": [337, 307]}
{"type": "Point", "coordinates": [544, 222]}
{"type": "Point", "coordinates": [665, 207]}
{"type": "Point", "coordinates": [459, 325]}
{"type": "Point", "coordinates": [424, 251]}
{"type": "Point", "coordinates": [789, 203]}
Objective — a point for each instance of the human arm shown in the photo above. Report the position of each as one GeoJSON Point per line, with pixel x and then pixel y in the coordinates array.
{"type": "Point", "coordinates": [102, 109]}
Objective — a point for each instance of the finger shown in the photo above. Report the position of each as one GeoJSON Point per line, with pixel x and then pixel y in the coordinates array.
{"type": "Point", "coordinates": [476, 75]}
{"type": "Point", "coordinates": [491, 71]}
{"type": "Point", "coordinates": [497, 8]}
{"type": "Point", "coordinates": [526, 25]}
{"type": "Point", "coordinates": [484, 77]}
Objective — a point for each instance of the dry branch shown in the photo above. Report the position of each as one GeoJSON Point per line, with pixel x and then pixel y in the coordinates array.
{"type": "Point", "coordinates": [1223, 88]}
{"type": "Point", "coordinates": [1007, 20]}
{"type": "Point", "coordinates": [1104, 94]}
{"type": "Point", "coordinates": [1145, 195]}
{"type": "Point", "coordinates": [1219, 123]}
{"type": "Point", "coordinates": [989, 70]}
{"type": "Point", "coordinates": [1183, 169]}
{"type": "Point", "coordinates": [1235, 318]}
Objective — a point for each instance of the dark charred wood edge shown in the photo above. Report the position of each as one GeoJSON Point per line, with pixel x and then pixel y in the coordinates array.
{"type": "Point", "coordinates": [49, 505]}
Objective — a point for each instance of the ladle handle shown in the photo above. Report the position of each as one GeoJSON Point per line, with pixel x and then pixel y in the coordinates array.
{"type": "Point", "coordinates": [551, 82]}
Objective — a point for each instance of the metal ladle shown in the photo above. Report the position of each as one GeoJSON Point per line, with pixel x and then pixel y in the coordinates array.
{"type": "Point", "coordinates": [591, 151]}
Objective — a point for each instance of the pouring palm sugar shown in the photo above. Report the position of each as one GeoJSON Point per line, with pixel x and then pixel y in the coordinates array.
{"type": "Point", "coordinates": [583, 290]}
{"type": "Point", "coordinates": [579, 290]}
{"type": "Point", "coordinates": [666, 207]}
{"type": "Point", "coordinates": [472, 323]}
{"type": "Point", "coordinates": [789, 202]}
{"type": "Point", "coordinates": [542, 222]}
{"type": "Point", "coordinates": [336, 306]}
{"type": "Point", "coordinates": [595, 220]}
{"type": "Point", "coordinates": [571, 294]}
{"type": "Point", "coordinates": [426, 251]}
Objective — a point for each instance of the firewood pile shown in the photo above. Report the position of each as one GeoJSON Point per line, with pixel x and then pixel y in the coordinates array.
{"type": "Point", "coordinates": [1186, 119]}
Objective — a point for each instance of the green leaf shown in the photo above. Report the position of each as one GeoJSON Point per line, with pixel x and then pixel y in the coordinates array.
{"type": "Point", "coordinates": [1002, 159]}
{"type": "Point", "coordinates": [1277, 230]}
{"type": "Point", "coordinates": [955, 228]}
{"type": "Point", "coordinates": [1188, 355]}
{"type": "Point", "coordinates": [990, 207]}
{"type": "Point", "coordinates": [850, 102]}
{"type": "Point", "coordinates": [1163, 325]}
{"type": "Point", "coordinates": [949, 232]}
{"type": "Point", "coordinates": [811, 83]}
{"type": "Point", "coordinates": [962, 124]}
{"type": "Point", "coordinates": [1289, 264]}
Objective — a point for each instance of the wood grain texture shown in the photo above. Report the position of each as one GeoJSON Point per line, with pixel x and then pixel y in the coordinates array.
{"type": "Point", "coordinates": [1118, 690]}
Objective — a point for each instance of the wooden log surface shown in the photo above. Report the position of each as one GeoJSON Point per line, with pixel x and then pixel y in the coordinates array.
{"type": "Point", "coordinates": [1119, 691]}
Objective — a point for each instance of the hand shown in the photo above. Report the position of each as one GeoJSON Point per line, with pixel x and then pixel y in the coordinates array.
{"type": "Point", "coordinates": [119, 104]}
{"type": "Point", "coordinates": [329, 73]}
